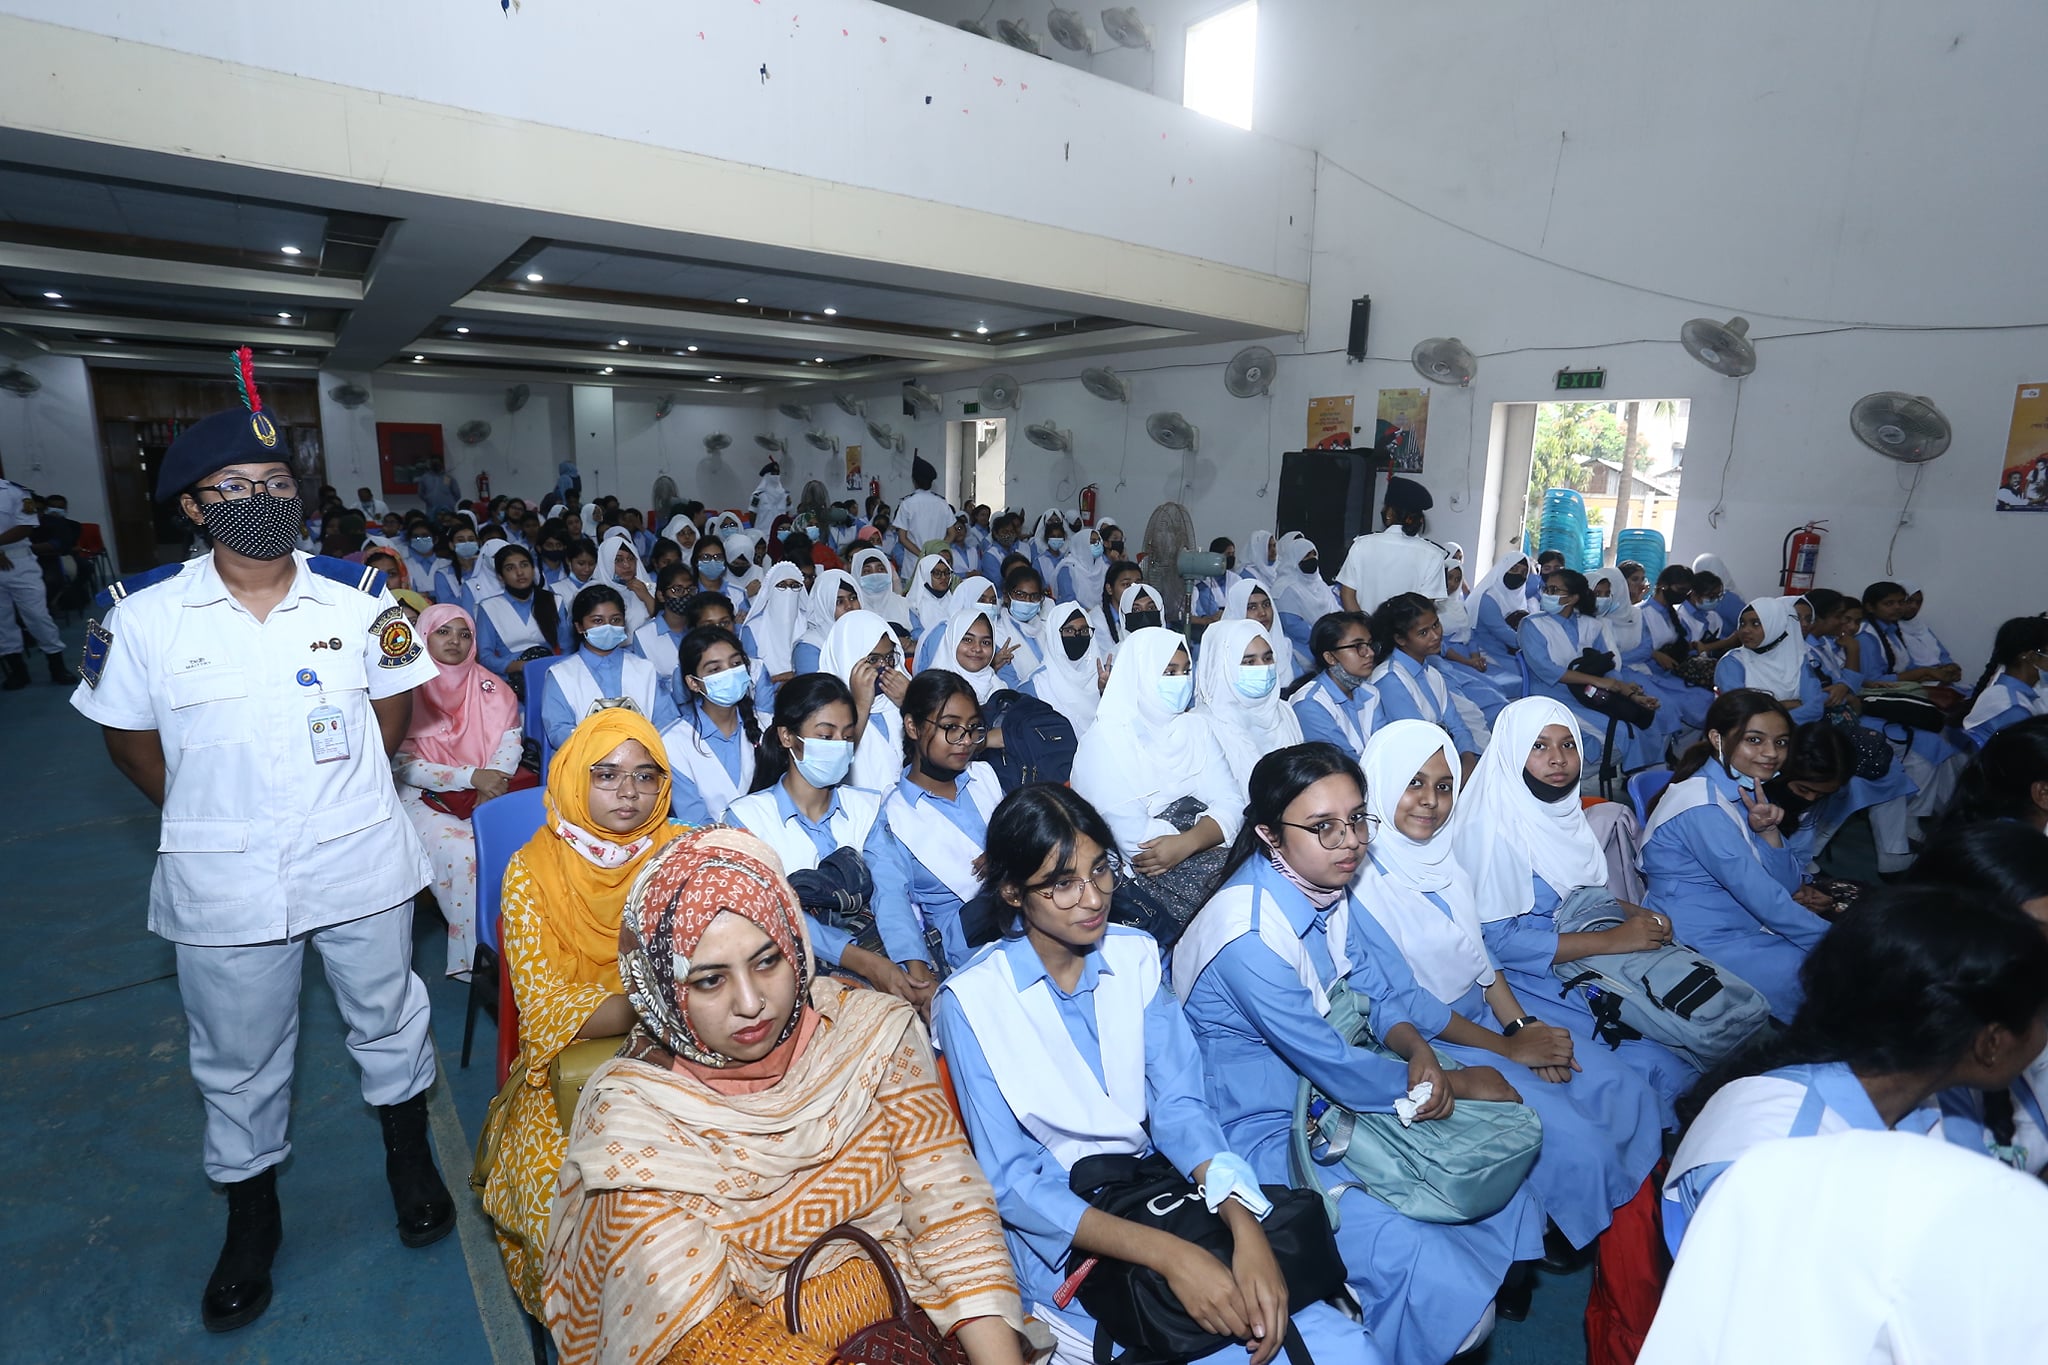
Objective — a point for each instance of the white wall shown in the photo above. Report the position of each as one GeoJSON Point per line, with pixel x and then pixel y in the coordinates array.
{"type": "Point", "coordinates": [1156, 72]}
{"type": "Point", "coordinates": [50, 440]}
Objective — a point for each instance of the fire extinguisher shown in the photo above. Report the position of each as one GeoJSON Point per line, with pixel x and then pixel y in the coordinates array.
{"type": "Point", "coordinates": [1088, 505]}
{"type": "Point", "coordinates": [483, 483]}
{"type": "Point", "coordinates": [874, 488]}
{"type": "Point", "coordinates": [1801, 556]}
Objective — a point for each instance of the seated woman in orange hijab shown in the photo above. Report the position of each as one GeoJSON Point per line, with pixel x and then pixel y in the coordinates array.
{"type": "Point", "coordinates": [607, 813]}
{"type": "Point", "coordinates": [752, 1108]}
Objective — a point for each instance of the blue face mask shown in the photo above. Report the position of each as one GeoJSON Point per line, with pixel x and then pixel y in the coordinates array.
{"type": "Point", "coordinates": [711, 570]}
{"type": "Point", "coordinates": [826, 762]}
{"type": "Point", "coordinates": [1097, 550]}
{"type": "Point", "coordinates": [728, 687]}
{"type": "Point", "coordinates": [1025, 611]}
{"type": "Point", "coordinates": [1549, 605]}
{"type": "Point", "coordinates": [1257, 680]}
{"type": "Point", "coordinates": [1609, 606]}
{"type": "Point", "coordinates": [874, 584]}
{"type": "Point", "coordinates": [1177, 692]}
{"type": "Point", "coordinates": [602, 638]}
{"type": "Point", "coordinates": [467, 549]}
{"type": "Point", "coordinates": [1055, 542]}
{"type": "Point", "coordinates": [422, 545]}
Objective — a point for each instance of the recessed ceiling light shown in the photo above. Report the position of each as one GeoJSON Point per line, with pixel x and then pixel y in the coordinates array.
{"type": "Point", "coordinates": [956, 334]}
{"type": "Point", "coordinates": [831, 312]}
{"type": "Point", "coordinates": [624, 342]}
{"type": "Point", "coordinates": [739, 300]}
{"type": "Point", "coordinates": [533, 277]}
{"type": "Point", "coordinates": [606, 370]}
{"type": "Point", "coordinates": [286, 316]}
{"type": "Point", "coordinates": [716, 377]}
{"type": "Point", "coordinates": [289, 250]}
{"type": "Point", "coordinates": [52, 294]}
{"type": "Point", "coordinates": [981, 329]}
{"type": "Point", "coordinates": [821, 360]}
{"type": "Point", "coordinates": [692, 348]}
{"type": "Point", "coordinates": [417, 359]}
{"type": "Point", "coordinates": [462, 331]}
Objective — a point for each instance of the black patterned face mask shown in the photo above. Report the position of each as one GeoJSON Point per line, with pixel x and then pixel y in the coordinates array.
{"type": "Point", "coordinates": [256, 527]}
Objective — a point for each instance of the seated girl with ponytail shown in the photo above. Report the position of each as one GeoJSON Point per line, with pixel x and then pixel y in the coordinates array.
{"type": "Point", "coordinates": [1064, 1043]}
{"type": "Point", "coordinates": [802, 807]}
{"type": "Point", "coordinates": [711, 746]}
{"type": "Point", "coordinates": [2010, 689]}
{"type": "Point", "coordinates": [2007, 780]}
{"type": "Point", "coordinates": [601, 670]}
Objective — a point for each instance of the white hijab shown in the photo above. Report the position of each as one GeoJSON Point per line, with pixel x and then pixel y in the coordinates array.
{"type": "Point", "coordinates": [1923, 650]}
{"type": "Point", "coordinates": [1136, 743]}
{"type": "Point", "coordinates": [927, 608]}
{"type": "Point", "coordinates": [1625, 622]}
{"type": "Point", "coordinates": [1446, 953]}
{"type": "Point", "coordinates": [1718, 567]}
{"type": "Point", "coordinates": [483, 582]}
{"type": "Point", "coordinates": [1297, 593]}
{"type": "Point", "coordinates": [1255, 564]}
{"type": "Point", "coordinates": [1069, 686]}
{"type": "Point", "coordinates": [777, 621]}
{"type": "Point", "coordinates": [676, 528]}
{"type": "Point", "coordinates": [941, 649]}
{"type": "Point", "coordinates": [1086, 568]}
{"type": "Point", "coordinates": [1452, 611]}
{"type": "Point", "coordinates": [616, 539]}
{"type": "Point", "coordinates": [1245, 730]}
{"type": "Point", "coordinates": [878, 759]}
{"type": "Point", "coordinates": [743, 545]}
{"type": "Point", "coordinates": [821, 604]}
{"type": "Point", "coordinates": [1505, 836]}
{"type": "Point", "coordinates": [1775, 670]}
{"type": "Point", "coordinates": [1045, 551]}
{"type": "Point", "coordinates": [1128, 598]}
{"type": "Point", "coordinates": [889, 604]}
{"type": "Point", "coordinates": [1493, 584]}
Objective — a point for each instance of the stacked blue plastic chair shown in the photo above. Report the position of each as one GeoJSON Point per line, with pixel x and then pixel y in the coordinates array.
{"type": "Point", "coordinates": [1596, 548]}
{"type": "Point", "coordinates": [1561, 525]}
{"type": "Point", "coordinates": [1645, 546]}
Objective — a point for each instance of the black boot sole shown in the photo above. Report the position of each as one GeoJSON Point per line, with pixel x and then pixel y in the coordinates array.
{"type": "Point", "coordinates": [426, 1237]}
{"type": "Point", "coordinates": [242, 1318]}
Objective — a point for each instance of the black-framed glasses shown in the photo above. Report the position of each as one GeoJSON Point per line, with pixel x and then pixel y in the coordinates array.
{"type": "Point", "coordinates": [1355, 828]}
{"type": "Point", "coordinates": [234, 490]}
{"type": "Point", "coordinates": [956, 733]}
{"type": "Point", "coordinates": [608, 779]}
{"type": "Point", "coordinates": [1066, 893]}
{"type": "Point", "coordinates": [1027, 594]}
{"type": "Point", "coordinates": [884, 662]}
{"type": "Point", "coordinates": [1078, 631]}
{"type": "Point", "coordinates": [1353, 647]}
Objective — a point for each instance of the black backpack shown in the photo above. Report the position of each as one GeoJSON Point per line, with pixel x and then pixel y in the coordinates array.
{"type": "Point", "coordinates": [1039, 743]}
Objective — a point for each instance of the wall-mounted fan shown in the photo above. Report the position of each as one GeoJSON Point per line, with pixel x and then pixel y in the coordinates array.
{"type": "Point", "coordinates": [1173, 431]}
{"type": "Point", "coordinates": [1070, 30]}
{"type": "Point", "coordinates": [796, 412]}
{"type": "Point", "coordinates": [666, 406]}
{"type": "Point", "coordinates": [349, 395]}
{"type": "Point", "coordinates": [1900, 426]}
{"type": "Point", "coordinates": [1000, 391]}
{"type": "Point", "coordinates": [1125, 28]}
{"type": "Point", "coordinates": [516, 396]}
{"type": "Point", "coordinates": [850, 404]}
{"type": "Point", "coordinates": [974, 26]}
{"type": "Point", "coordinates": [881, 431]}
{"type": "Point", "coordinates": [14, 379]}
{"type": "Point", "coordinates": [1106, 383]}
{"type": "Point", "coordinates": [1046, 436]}
{"type": "Point", "coordinates": [473, 433]}
{"type": "Point", "coordinates": [900, 444]}
{"type": "Point", "coordinates": [1250, 372]}
{"type": "Point", "coordinates": [772, 443]}
{"type": "Point", "coordinates": [820, 441]}
{"type": "Point", "coordinates": [1445, 360]}
{"type": "Point", "coordinates": [923, 401]}
{"type": "Point", "coordinates": [1723, 347]}
{"type": "Point", "coordinates": [1015, 34]}
{"type": "Point", "coordinates": [716, 442]}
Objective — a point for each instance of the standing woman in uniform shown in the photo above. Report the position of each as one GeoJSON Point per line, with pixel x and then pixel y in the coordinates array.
{"type": "Point", "coordinates": [607, 814]}
{"type": "Point", "coordinates": [271, 762]}
{"type": "Point", "coordinates": [710, 747]}
{"type": "Point", "coordinates": [518, 624]}
{"type": "Point", "coordinates": [464, 741]}
{"type": "Point", "coordinates": [600, 667]}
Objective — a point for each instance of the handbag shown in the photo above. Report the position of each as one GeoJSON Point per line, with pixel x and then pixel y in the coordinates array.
{"type": "Point", "coordinates": [462, 805]}
{"type": "Point", "coordinates": [1133, 1306]}
{"type": "Point", "coordinates": [1458, 1169]}
{"type": "Point", "coordinates": [839, 892]}
{"type": "Point", "coordinates": [1607, 702]}
{"type": "Point", "coordinates": [1901, 706]}
{"type": "Point", "coordinates": [571, 1070]}
{"type": "Point", "coordinates": [905, 1337]}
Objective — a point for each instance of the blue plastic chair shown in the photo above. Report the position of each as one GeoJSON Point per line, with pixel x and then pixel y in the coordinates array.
{"type": "Point", "coordinates": [1645, 787]}
{"type": "Point", "coordinates": [501, 827]}
{"type": "Point", "coordinates": [1645, 545]}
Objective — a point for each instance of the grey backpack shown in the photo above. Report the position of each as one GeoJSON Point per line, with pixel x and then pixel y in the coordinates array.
{"type": "Point", "coordinates": [1670, 995]}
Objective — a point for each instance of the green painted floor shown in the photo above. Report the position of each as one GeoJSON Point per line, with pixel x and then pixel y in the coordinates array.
{"type": "Point", "coordinates": [108, 1228]}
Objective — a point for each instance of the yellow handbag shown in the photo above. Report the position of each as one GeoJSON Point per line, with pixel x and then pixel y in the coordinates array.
{"type": "Point", "coordinates": [571, 1070]}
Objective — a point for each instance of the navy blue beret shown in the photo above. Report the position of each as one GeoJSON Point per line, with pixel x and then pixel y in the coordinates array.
{"type": "Point", "coordinates": [233, 437]}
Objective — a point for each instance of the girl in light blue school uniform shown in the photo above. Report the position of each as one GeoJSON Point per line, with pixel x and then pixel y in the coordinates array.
{"type": "Point", "coordinates": [1499, 602]}
{"type": "Point", "coordinates": [710, 747]}
{"type": "Point", "coordinates": [1714, 862]}
{"type": "Point", "coordinates": [1915, 993]}
{"type": "Point", "coordinates": [1412, 682]}
{"type": "Point", "coordinates": [1254, 971]}
{"type": "Point", "coordinates": [2010, 690]}
{"type": "Point", "coordinates": [1248, 600]}
{"type": "Point", "coordinates": [1602, 1130]}
{"type": "Point", "coordinates": [1523, 839]}
{"type": "Point", "coordinates": [1336, 704]}
{"type": "Point", "coordinates": [601, 666]}
{"type": "Point", "coordinates": [1565, 624]}
{"type": "Point", "coordinates": [1890, 654]}
{"type": "Point", "coordinates": [1487, 681]}
{"type": "Point", "coordinates": [1065, 1043]}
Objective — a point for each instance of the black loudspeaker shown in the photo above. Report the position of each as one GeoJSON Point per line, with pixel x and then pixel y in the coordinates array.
{"type": "Point", "coordinates": [1327, 495]}
{"type": "Point", "coordinates": [1361, 323]}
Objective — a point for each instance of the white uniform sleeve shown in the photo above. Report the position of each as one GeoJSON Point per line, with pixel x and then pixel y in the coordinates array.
{"type": "Point", "coordinates": [118, 696]}
{"type": "Point", "coordinates": [397, 660]}
{"type": "Point", "coordinates": [1352, 574]}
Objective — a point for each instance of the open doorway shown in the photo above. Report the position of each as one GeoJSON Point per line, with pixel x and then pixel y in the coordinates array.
{"type": "Point", "coordinates": [983, 459]}
{"type": "Point", "coordinates": [1604, 468]}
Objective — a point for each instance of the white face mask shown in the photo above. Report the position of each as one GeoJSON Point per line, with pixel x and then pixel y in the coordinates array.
{"type": "Point", "coordinates": [1257, 680]}
{"type": "Point", "coordinates": [1177, 691]}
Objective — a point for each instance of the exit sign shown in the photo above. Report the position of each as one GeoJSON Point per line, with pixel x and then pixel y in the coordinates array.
{"type": "Point", "coordinates": [1581, 379]}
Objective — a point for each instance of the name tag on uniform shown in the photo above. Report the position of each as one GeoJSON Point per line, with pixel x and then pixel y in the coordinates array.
{"type": "Point", "coordinates": [329, 734]}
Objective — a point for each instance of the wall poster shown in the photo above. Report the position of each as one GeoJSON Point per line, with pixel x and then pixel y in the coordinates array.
{"type": "Point", "coordinates": [2023, 482]}
{"type": "Point", "coordinates": [1330, 422]}
{"type": "Point", "coordinates": [1403, 427]}
{"type": "Point", "coordinates": [852, 468]}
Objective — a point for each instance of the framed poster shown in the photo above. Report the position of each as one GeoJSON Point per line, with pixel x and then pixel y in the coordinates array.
{"type": "Point", "coordinates": [1403, 427]}
{"type": "Point", "coordinates": [852, 468]}
{"type": "Point", "coordinates": [405, 450]}
{"type": "Point", "coordinates": [1330, 422]}
{"type": "Point", "coordinates": [2023, 481]}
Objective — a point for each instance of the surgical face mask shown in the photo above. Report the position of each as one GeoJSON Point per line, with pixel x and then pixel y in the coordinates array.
{"type": "Point", "coordinates": [467, 549]}
{"type": "Point", "coordinates": [1257, 680]}
{"type": "Point", "coordinates": [1055, 542]}
{"type": "Point", "coordinates": [1609, 606]}
{"type": "Point", "coordinates": [1177, 692]}
{"type": "Point", "coordinates": [728, 687]}
{"type": "Point", "coordinates": [422, 545]}
{"type": "Point", "coordinates": [1139, 620]}
{"type": "Point", "coordinates": [1711, 602]}
{"type": "Point", "coordinates": [1096, 550]}
{"type": "Point", "coordinates": [711, 570]}
{"type": "Point", "coordinates": [1025, 611]}
{"type": "Point", "coordinates": [606, 637]}
{"type": "Point", "coordinates": [1550, 604]}
{"type": "Point", "coordinates": [875, 584]}
{"type": "Point", "coordinates": [1075, 645]}
{"type": "Point", "coordinates": [256, 527]}
{"type": "Point", "coordinates": [826, 762]}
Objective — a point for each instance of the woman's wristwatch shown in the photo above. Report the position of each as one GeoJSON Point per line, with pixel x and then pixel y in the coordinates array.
{"type": "Point", "coordinates": [1518, 1025]}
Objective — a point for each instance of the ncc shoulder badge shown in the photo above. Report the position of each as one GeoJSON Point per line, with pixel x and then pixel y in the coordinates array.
{"type": "Point", "coordinates": [397, 645]}
{"type": "Point", "coordinates": [99, 642]}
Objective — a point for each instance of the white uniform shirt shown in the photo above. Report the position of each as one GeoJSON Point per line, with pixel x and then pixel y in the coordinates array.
{"type": "Point", "coordinates": [926, 516]}
{"type": "Point", "coordinates": [14, 512]}
{"type": "Point", "coordinates": [259, 842]}
{"type": "Point", "coordinates": [1390, 563]}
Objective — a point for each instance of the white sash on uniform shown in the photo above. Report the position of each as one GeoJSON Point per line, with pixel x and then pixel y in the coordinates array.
{"type": "Point", "coordinates": [1228, 917]}
{"type": "Point", "coordinates": [692, 758]}
{"type": "Point", "coordinates": [1051, 1088]}
{"type": "Point", "coordinates": [659, 649]}
{"type": "Point", "coordinates": [850, 825]}
{"type": "Point", "coordinates": [945, 849]}
{"type": "Point", "coordinates": [637, 684]}
{"type": "Point", "coordinates": [518, 634]}
{"type": "Point", "coordinates": [1327, 698]}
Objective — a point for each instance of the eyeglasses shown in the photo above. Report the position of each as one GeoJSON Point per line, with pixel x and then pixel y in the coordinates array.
{"type": "Point", "coordinates": [1079, 632]}
{"type": "Point", "coordinates": [234, 490]}
{"type": "Point", "coordinates": [1066, 893]}
{"type": "Point", "coordinates": [608, 779]}
{"type": "Point", "coordinates": [975, 734]}
{"type": "Point", "coordinates": [1027, 595]}
{"type": "Point", "coordinates": [1355, 828]}
{"type": "Point", "coordinates": [1354, 647]}
{"type": "Point", "coordinates": [883, 662]}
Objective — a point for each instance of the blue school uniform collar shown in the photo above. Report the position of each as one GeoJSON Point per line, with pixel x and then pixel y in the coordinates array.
{"type": "Point", "coordinates": [912, 793]}
{"type": "Point", "coordinates": [1028, 968]}
{"type": "Point", "coordinates": [785, 809]}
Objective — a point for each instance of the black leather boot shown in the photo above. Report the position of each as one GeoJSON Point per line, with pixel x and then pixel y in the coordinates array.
{"type": "Point", "coordinates": [240, 1288]}
{"type": "Point", "coordinates": [425, 1212]}
{"type": "Point", "coordinates": [58, 672]}
{"type": "Point", "coordinates": [13, 671]}
{"type": "Point", "coordinates": [1516, 1292]}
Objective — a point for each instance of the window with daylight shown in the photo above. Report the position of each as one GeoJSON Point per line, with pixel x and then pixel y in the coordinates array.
{"type": "Point", "coordinates": [1222, 53]}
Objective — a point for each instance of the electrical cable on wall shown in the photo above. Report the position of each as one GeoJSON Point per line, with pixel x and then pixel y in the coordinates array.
{"type": "Point", "coordinates": [1905, 516]}
{"type": "Point", "coordinates": [1721, 498]}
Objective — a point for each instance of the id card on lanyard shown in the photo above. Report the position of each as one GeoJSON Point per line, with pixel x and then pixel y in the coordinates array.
{"type": "Point", "coordinates": [326, 727]}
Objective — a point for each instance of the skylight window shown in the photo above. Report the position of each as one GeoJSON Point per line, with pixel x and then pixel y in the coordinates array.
{"type": "Point", "coordinates": [1222, 54]}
